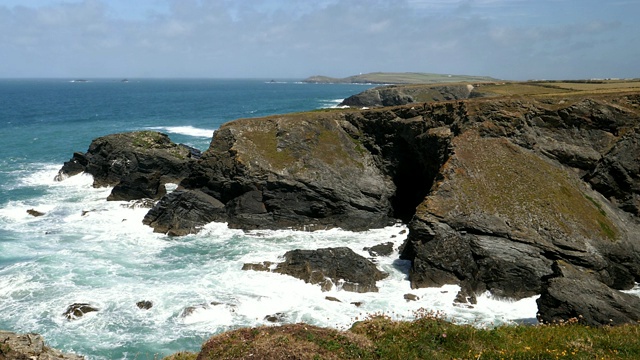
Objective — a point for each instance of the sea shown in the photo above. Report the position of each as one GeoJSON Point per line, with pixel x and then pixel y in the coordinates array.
{"type": "Point", "coordinates": [85, 249]}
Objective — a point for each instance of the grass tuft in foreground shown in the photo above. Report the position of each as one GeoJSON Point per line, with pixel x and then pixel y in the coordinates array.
{"type": "Point", "coordinates": [430, 336]}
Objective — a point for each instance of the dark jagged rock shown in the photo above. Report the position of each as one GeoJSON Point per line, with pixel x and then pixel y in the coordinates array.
{"type": "Point", "coordinates": [494, 190]}
{"type": "Point", "coordinates": [29, 347]}
{"type": "Point", "coordinates": [501, 214]}
{"type": "Point", "coordinates": [184, 212]}
{"type": "Point", "coordinates": [137, 164]}
{"type": "Point", "coordinates": [382, 96]}
{"type": "Point", "coordinates": [276, 318]}
{"type": "Point", "coordinates": [35, 213]}
{"type": "Point", "coordinates": [189, 310]}
{"type": "Point", "coordinates": [140, 204]}
{"type": "Point", "coordinates": [574, 293]}
{"type": "Point", "coordinates": [264, 266]}
{"type": "Point", "coordinates": [394, 95]}
{"type": "Point", "coordinates": [78, 310]}
{"type": "Point", "coordinates": [144, 304]}
{"type": "Point", "coordinates": [328, 267]}
{"type": "Point", "coordinates": [284, 172]}
{"type": "Point", "coordinates": [384, 249]}
{"type": "Point", "coordinates": [411, 297]}
{"type": "Point", "coordinates": [617, 176]}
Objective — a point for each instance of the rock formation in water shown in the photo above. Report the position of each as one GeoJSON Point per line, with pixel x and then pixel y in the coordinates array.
{"type": "Point", "coordinates": [136, 164]}
{"type": "Point", "coordinates": [495, 191]}
{"type": "Point", "coordinates": [328, 267]}
{"type": "Point", "coordinates": [303, 171]}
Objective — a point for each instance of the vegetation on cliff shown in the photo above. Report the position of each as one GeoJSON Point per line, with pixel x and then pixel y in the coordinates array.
{"type": "Point", "coordinates": [430, 336]}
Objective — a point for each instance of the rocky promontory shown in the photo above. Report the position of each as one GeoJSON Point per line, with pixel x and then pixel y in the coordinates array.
{"type": "Point", "coordinates": [401, 95]}
{"type": "Point", "coordinates": [496, 191]}
{"type": "Point", "coordinates": [136, 164]}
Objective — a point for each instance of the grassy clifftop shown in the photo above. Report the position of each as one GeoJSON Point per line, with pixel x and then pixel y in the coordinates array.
{"type": "Point", "coordinates": [428, 337]}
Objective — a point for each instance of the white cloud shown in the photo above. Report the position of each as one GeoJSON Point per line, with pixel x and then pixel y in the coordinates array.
{"type": "Point", "coordinates": [286, 38]}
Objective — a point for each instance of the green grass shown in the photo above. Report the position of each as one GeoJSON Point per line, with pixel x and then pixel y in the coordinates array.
{"type": "Point", "coordinates": [401, 78]}
{"type": "Point", "coordinates": [493, 177]}
{"type": "Point", "coordinates": [430, 336]}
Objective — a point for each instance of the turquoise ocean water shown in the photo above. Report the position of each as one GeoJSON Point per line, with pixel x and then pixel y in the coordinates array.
{"type": "Point", "coordinates": [106, 257]}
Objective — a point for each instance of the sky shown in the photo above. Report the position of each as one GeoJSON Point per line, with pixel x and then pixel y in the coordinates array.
{"type": "Point", "coordinates": [294, 39]}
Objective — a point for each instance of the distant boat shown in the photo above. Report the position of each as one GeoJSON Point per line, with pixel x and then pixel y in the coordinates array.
{"type": "Point", "coordinates": [124, 80]}
{"type": "Point", "coordinates": [79, 80]}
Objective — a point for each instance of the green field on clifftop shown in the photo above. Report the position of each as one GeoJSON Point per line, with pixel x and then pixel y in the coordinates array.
{"type": "Point", "coordinates": [399, 78]}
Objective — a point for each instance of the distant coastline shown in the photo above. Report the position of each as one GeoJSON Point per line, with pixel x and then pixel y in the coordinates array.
{"type": "Point", "coordinates": [397, 78]}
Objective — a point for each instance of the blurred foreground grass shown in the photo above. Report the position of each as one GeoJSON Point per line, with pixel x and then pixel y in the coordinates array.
{"type": "Point", "coordinates": [430, 336]}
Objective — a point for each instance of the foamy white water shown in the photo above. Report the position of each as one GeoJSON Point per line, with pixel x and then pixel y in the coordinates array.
{"type": "Point", "coordinates": [85, 249]}
{"type": "Point", "coordinates": [186, 130]}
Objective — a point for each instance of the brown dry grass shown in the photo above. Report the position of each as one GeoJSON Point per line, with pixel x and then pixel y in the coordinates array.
{"type": "Point", "coordinates": [295, 341]}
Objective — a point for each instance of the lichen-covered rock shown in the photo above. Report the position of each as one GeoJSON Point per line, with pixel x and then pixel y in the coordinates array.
{"type": "Point", "coordinates": [393, 95]}
{"type": "Point", "coordinates": [137, 164]}
{"type": "Point", "coordinates": [29, 347]}
{"type": "Point", "coordinates": [617, 175]}
{"type": "Point", "coordinates": [501, 214]}
{"type": "Point", "coordinates": [291, 171]}
{"type": "Point", "coordinates": [574, 293]}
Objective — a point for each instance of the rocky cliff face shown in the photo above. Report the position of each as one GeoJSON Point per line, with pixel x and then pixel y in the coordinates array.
{"type": "Point", "coordinates": [301, 171]}
{"type": "Point", "coordinates": [393, 95]}
{"type": "Point", "coordinates": [495, 191]}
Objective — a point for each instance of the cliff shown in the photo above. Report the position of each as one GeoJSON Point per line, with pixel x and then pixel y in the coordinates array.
{"type": "Point", "coordinates": [515, 195]}
{"type": "Point", "coordinates": [394, 95]}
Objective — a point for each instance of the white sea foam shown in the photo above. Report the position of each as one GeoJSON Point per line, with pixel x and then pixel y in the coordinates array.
{"type": "Point", "coordinates": [333, 103]}
{"type": "Point", "coordinates": [86, 249]}
{"type": "Point", "coordinates": [186, 130]}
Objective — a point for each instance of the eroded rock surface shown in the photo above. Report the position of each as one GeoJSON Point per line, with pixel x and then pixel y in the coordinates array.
{"type": "Point", "coordinates": [394, 95]}
{"type": "Point", "coordinates": [29, 347]}
{"type": "Point", "coordinates": [78, 310]}
{"type": "Point", "coordinates": [136, 164]}
{"type": "Point", "coordinates": [575, 293]}
{"type": "Point", "coordinates": [302, 172]}
{"type": "Point", "coordinates": [495, 191]}
{"type": "Point", "coordinates": [328, 267]}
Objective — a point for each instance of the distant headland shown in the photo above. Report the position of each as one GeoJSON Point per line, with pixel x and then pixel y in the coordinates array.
{"type": "Point", "coordinates": [397, 78]}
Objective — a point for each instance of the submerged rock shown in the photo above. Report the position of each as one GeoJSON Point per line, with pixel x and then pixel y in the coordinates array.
{"type": "Point", "coordinates": [278, 317]}
{"type": "Point", "coordinates": [78, 310]}
{"type": "Point", "coordinates": [144, 304]}
{"type": "Point", "coordinates": [35, 213]}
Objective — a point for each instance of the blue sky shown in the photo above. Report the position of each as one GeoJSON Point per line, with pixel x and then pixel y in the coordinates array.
{"type": "Point", "coordinates": [508, 39]}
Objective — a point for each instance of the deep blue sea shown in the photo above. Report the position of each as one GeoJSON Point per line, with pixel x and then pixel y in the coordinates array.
{"type": "Point", "coordinates": [85, 249]}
